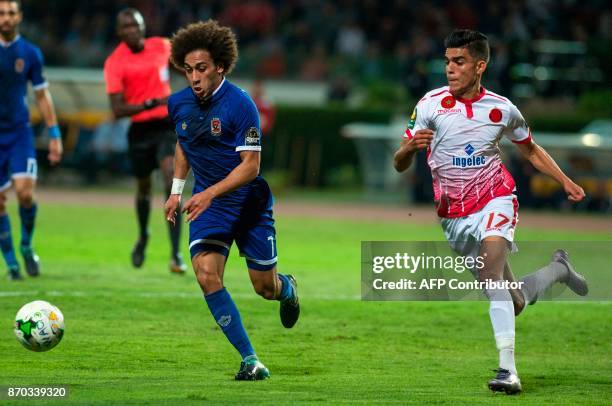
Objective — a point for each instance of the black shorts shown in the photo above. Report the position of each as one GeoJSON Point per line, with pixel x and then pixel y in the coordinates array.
{"type": "Point", "coordinates": [148, 143]}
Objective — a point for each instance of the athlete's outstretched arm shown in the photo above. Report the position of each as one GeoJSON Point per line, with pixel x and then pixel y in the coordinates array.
{"type": "Point", "coordinates": [181, 169]}
{"type": "Point", "coordinates": [409, 147]}
{"type": "Point", "coordinates": [544, 163]}
{"type": "Point", "coordinates": [245, 172]}
{"type": "Point", "coordinates": [122, 109]}
{"type": "Point", "coordinates": [45, 106]}
{"type": "Point", "coordinates": [181, 166]}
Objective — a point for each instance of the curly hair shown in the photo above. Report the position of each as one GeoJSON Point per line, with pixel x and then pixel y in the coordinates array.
{"type": "Point", "coordinates": [218, 40]}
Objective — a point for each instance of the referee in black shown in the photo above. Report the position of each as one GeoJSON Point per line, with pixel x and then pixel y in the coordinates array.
{"type": "Point", "coordinates": [137, 82]}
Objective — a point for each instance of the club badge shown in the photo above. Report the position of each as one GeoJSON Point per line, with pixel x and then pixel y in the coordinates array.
{"type": "Point", "coordinates": [19, 65]}
{"type": "Point", "coordinates": [215, 126]}
{"type": "Point", "coordinates": [448, 102]}
{"type": "Point", "coordinates": [412, 119]}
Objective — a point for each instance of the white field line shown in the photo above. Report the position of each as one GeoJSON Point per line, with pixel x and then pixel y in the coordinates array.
{"type": "Point", "coordinates": [172, 295]}
{"type": "Point", "coordinates": [188, 295]}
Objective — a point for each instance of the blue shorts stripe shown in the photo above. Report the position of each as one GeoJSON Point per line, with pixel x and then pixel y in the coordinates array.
{"type": "Point", "coordinates": [262, 262]}
{"type": "Point", "coordinates": [209, 241]}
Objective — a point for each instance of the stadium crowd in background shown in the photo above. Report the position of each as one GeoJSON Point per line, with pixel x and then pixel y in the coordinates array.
{"type": "Point", "coordinates": [373, 54]}
{"type": "Point", "coordinates": [321, 40]}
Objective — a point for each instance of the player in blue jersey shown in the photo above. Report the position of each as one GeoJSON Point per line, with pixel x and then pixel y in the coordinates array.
{"type": "Point", "coordinates": [219, 139]}
{"type": "Point", "coordinates": [21, 62]}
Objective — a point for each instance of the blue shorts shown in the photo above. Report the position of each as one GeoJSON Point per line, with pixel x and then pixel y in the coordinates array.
{"type": "Point", "coordinates": [251, 226]}
{"type": "Point", "coordinates": [17, 156]}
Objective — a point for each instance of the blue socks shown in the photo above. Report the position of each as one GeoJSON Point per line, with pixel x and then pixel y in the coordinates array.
{"type": "Point", "coordinates": [228, 318]}
{"type": "Point", "coordinates": [287, 288]}
{"type": "Point", "coordinates": [6, 242]}
{"type": "Point", "coordinates": [28, 215]}
{"type": "Point", "coordinates": [27, 224]}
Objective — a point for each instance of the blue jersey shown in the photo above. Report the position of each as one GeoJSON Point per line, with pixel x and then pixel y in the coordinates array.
{"type": "Point", "coordinates": [20, 62]}
{"type": "Point", "coordinates": [212, 134]}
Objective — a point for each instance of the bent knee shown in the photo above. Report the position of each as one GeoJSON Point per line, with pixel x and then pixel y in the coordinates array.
{"type": "Point", "coordinates": [208, 278]}
{"type": "Point", "coordinates": [25, 197]}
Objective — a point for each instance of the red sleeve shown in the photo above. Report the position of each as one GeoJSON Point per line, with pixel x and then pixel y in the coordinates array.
{"type": "Point", "coordinates": [113, 76]}
{"type": "Point", "coordinates": [525, 140]}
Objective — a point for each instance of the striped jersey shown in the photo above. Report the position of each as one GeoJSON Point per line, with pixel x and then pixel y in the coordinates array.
{"type": "Point", "coordinates": [464, 155]}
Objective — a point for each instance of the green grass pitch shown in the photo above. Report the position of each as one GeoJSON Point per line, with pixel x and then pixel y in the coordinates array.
{"type": "Point", "coordinates": [146, 336]}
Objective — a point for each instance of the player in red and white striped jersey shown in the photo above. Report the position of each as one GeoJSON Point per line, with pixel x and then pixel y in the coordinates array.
{"type": "Point", "coordinates": [461, 125]}
{"type": "Point", "coordinates": [464, 155]}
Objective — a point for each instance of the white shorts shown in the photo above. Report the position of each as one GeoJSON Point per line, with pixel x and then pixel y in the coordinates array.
{"type": "Point", "coordinates": [498, 217]}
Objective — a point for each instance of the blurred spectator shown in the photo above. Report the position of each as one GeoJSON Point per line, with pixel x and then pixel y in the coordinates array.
{"type": "Point", "coordinates": [104, 149]}
{"type": "Point", "coordinates": [388, 34]}
{"type": "Point", "coordinates": [515, 24]}
{"type": "Point", "coordinates": [494, 15]}
{"type": "Point", "coordinates": [463, 15]}
{"type": "Point", "coordinates": [351, 39]}
{"type": "Point", "coordinates": [250, 18]}
{"type": "Point", "coordinates": [371, 63]}
{"type": "Point", "coordinates": [339, 90]}
{"type": "Point", "coordinates": [605, 25]}
{"type": "Point", "coordinates": [267, 111]}
{"type": "Point", "coordinates": [274, 64]}
{"type": "Point", "coordinates": [315, 67]}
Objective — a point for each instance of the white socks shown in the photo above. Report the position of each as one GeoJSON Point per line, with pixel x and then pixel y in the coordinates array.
{"type": "Point", "coordinates": [501, 311]}
{"type": "Point", "coordinates": [506, 358]}
{"type": "Point", "coordinates": [536, 283]}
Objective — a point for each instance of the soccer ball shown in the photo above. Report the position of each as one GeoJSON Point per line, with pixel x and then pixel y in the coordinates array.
{"type": "Point", "coordinates": [39, 326]}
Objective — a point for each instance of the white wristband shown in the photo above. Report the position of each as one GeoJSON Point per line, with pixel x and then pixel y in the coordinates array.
{"type": "Point", "coordinates": [177, 186]}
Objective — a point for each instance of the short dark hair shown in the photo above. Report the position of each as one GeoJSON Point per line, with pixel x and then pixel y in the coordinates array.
{"type": "Point", "coordinates": [218, 40]}
{"type": "Point", "coordinates": [132, 12]}
{"type": "Point", "coordinates": [476, 43]}
{"type": "Point", "coordinates": [127, 11]}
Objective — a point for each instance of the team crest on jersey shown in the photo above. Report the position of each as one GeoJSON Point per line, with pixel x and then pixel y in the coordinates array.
{"type": "Point", "coordinates": [448, 102]}
{"type": "Point", "coordinates": [184, 126]}
{"type": "Point", "coordinates": [252, 137]}
{"type": "Point", "coordinates": [215, 126]}
{"type": "Point", "coordinates": [495, 115]}
{"type": "Point", "coordinates": [19, 65]}
{"type": "Point", "coordinates": [413, 118]}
